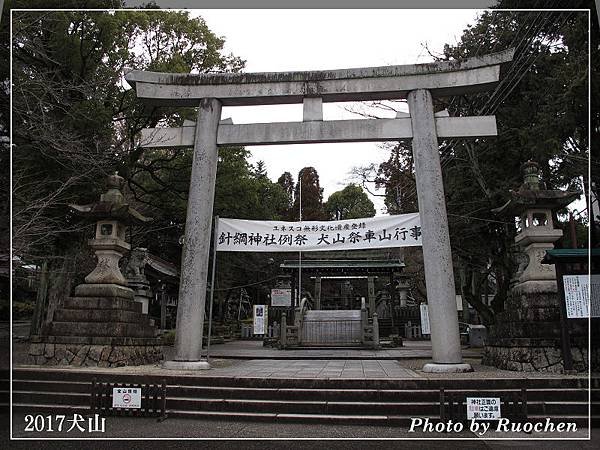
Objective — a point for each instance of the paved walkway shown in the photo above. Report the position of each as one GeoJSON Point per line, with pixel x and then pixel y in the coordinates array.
{"type": "Point", "coordinates": [316, 369]}
{"type": "Point", "coordinates": [255, 350]}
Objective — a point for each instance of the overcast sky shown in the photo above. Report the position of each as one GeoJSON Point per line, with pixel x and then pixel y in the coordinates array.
{"type": "Point", "coordinates": [287, 40]}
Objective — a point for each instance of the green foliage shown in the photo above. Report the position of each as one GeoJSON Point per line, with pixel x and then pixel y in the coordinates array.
{"type": "Point", "coordinates": [76, 120]}
{"type": "Point", "coordinates": [349, 203]}
{"type": "Point", "coordinates": [286, 181]}
{"type": "Point", "coordinates": [168, 337]}
{"type": "Point", "coordinates": [22, 310]}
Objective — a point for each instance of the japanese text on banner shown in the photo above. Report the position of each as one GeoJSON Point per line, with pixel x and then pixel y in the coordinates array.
{"type": "Point", "coordinates": [237, 235]}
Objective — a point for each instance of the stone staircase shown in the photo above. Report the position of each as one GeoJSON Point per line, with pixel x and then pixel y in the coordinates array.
{"type": "Point", "coordinates": [346, 401]}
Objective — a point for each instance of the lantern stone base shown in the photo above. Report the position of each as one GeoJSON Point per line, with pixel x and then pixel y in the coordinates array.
{"type": "Point", "coordinates": [186, 365]}
{"type": "Point", "coordinates": [106, 328]}
{"type": "Point", "coordinates": [526, 336]}
{"type": "Point", "coordinates": [90, 355]}
{"type": "Point", "coordinates": [447, 368]}
{"type": "Point", "coordinates": [533, 355]}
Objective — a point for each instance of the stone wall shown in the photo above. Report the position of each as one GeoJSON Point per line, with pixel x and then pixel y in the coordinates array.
{"type": "Point", "coordinates": [526, 336]}
{"type": "Point", "coordinates": [52, 354]}
{"type": "Point", "coordinates": [532, 357]}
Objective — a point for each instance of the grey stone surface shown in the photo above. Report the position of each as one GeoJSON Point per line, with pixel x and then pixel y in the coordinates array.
{"type": "Point", "coordinates": [447, 368]}
{"type": "Point", "coordinates": [371, 83]}
{"type": "Point", "coordinates": [94, 355]}
{"type": "Point", "coordinates": [186, 365]}
{"type": "Point", "coordinates": [439, 275]}
{"type": "Point", "coordinates": [194, 261]}
{"type": "Point", "coordinates": [103, 290]}
{"type": "Point", "coordinates": [312, 109]}
{"type": "Point", "coordinates": [320, 131]}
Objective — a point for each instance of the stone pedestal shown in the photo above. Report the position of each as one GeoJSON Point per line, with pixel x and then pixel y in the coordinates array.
{"type": "Point", "coordinates": [141, 292]}
{"type": "Point", "coordinates": [105, 329]}
{"type": "Point", "coordinates": [526, 336]}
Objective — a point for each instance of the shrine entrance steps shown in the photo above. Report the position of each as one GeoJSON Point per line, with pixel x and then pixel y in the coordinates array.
{"type": "Point", "coordinates": [327, 400]}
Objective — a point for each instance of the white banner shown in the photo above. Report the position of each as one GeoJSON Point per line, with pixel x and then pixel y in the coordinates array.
{"type": "Point", "coordinates": [237, 235]}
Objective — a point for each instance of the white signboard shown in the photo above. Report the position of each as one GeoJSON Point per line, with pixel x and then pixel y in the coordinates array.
{"type": "Point", "coordinates": [425, 319]}
{"type": "Point", "coordinates": [281, 297]}
{"type": "Point", "coordinates": [260, 319]}
{"type": "Point", "coordinates": [459, 303]}
{"type": "Point", "coordinates": [577, 299]}
{"type": "Point", "coordinates": [595, 295]}
{"type": "Point", "coordinates": [483, 408]}
{"type": "Point", "coordinates": [236, 235]}
{"type": "Point", "coordinates": [127, 398]}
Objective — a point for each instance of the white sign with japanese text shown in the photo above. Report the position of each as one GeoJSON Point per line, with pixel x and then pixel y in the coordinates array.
{"type": "Point", "coordinates": [260, 319]}
{"type": "Point", "coordinates": [595, 295]}
{"type": "Point", "coordinates": [237, 235]}
{"type": "Point", "coordinates": [127, 398]}
{"type": "Point", "coordinates": [425, 329]}
{"type": "Point", "coordinates": [281, 297]}
{"type": "Point", "coordinates": [482, 408]}
{"type": "Point", "coordinates": [577, 298]}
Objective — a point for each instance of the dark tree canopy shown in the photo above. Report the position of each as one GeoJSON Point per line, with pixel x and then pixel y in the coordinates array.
{"type": "Point", "coordinates": [541, 106]}
{"type": "Point", "coordinates": [312, 196]}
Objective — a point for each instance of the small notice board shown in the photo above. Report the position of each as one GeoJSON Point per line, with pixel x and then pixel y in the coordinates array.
{"type": "Point", "coordinates": [126, 397]}
{"type": "Point", "coordinates": [260, 319]}
{"type": "Point", "coordinates": [483, 408]}
{"type": "Point", "coordinates": [281, 297]}
{"type": "Point", "coordinates": [577, 298]}
{"type": "Point", "coordinates": [425, 329]}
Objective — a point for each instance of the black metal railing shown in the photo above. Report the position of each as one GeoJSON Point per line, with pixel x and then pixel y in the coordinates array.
{"type": "Point", "coordinates": [153, 400]}
{"type": "Point", "coordinates": [513, 404]}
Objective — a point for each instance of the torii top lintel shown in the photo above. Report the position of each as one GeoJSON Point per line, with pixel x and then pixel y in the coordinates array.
{"type": "Point", "coordinates": [443, 78]}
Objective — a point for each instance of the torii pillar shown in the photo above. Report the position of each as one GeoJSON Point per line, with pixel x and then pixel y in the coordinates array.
{"type": "Point", "coordinates": [437, 255]}
{"type": "Point", "coordinates": [196, 249]}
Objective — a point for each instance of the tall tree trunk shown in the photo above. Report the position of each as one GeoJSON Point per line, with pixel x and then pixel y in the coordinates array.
{"type": "Point", "coordinates": [60, 281]}
{"type": "Point", "coordinates": [40, 302]}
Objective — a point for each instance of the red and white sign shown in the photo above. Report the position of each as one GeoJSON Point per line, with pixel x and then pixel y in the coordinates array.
{"type": "Point", "coordinates": [130, 398]}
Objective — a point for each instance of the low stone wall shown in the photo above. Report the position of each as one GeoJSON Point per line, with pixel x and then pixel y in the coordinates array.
{"type": "Point", "coordinates": [533, 359]}
{"type": "Point", "coordinates": [53, 354]}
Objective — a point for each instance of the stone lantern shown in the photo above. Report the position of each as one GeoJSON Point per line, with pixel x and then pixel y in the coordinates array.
{"type": "Point", "coordinates": [101, 325]}
{"type": "Point", "coordinates": [533, 204]}
{"type": "Point", "coordinates": [112, 216]}
{"type": "Point", "coordinates": [526, 335]}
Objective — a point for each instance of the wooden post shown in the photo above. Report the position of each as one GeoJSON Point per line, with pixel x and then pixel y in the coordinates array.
{"type": "Point", "coordinates": [375, 331]}
{"type": "Point", "coordinates": [564, 326]}
{"type": "Point", "coordinates": [283, 332]}
{"type": "Point", "coordinates": [163, 309]}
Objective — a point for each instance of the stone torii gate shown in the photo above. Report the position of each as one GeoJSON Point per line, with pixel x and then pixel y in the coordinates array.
{"type": "Point", "coordinates": [417, 83]}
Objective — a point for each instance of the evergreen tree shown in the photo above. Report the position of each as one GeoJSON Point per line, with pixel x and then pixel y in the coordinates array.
{"type": "Point", "coordinates": [349, 203]}
{"type": "Point", "coordinates": [312, 196]}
